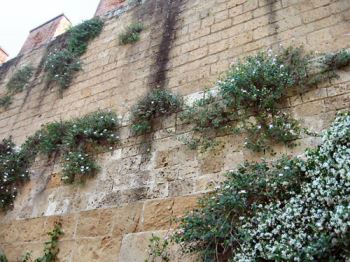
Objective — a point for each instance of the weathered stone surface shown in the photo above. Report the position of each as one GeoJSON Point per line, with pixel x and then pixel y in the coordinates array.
{"type": "Point", "coordinates": [160, 214]}
{"type": "Point", "coordinates": [139, 244]}
{"type": "Point", "coordinates": [14, 252]}
{"type": "Point", "coordinates": [105, 249]}
{"type": "Point", "coordinates": [95, 223]}
{"type": "Point", "coordinates": [157, 214]}
{"type": "Point", "coordinates": [212, 161]}
{"type": "Point", "coordinates": [68, 223]}
{"type": "Point", "coordinates": [127, 219]}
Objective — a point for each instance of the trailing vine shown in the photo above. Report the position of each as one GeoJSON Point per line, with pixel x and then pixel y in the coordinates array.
{"type": "Point", "coordinates": [61, 65]}
{"type": "Point", "coordinates": [51, 249]}
{"type": "Point", "coordinates": [3, 258]}
{"type": "Point", "coordinates": [252, 96]}
{"type": "Point", "coordinates": [75, 141]}
{"type": "Point", "coordinates": [16, 84]}
{"type": "Point", "coordinates": [157, 103]}
{"type": "Point", "coordinates": [293, 209]}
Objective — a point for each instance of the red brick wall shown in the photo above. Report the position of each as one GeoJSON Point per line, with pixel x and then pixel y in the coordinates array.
{"type": "Point", "coordinates": [3, 56]}
{"type": "Point", "coordinates": [44, 33]}
{"type": "Point", "coordinates": [108, 5]}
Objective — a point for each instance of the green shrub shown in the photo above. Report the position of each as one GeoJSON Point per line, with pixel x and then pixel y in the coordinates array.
{"type": "Point", "coordinates": [5, 101]}
{"type": "Point", "coordinates": [134, 2]}
{"type": "Point", "coordinates": [61, 65]}
{"type": "Point", "coordinates": [158, 249]}
{"type": "Point", "coordinates": [16, 85]}
{"type": "Point", "coordinates": [155, 104]}
{"type": "Point", "coordinates": [131, 34]}
{"type": "Point", "coordinates": [3, 258]}
{"type": "Point", "coordinates": [13, 172]}
{"type": "Point", "coordinates": [79, 36]}
{"type": "Point", "coordinates": [337, 60]}
{"type": "Point", "coordinates": [291, 210]}
{"type": "Point", "coordinates": [18, 81]}
{"type": "Point", "coordinates": [74, 141]}
{"type": "Point", "coordinates": [78, 163]}
{"type": "Point", "coordinates": [212, 229]}
{"type": "Point", "coordinates": [253, 93]}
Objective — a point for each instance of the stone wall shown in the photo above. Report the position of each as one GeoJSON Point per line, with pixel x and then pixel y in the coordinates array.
{"type": "Point", "coordinates": [146, 181]}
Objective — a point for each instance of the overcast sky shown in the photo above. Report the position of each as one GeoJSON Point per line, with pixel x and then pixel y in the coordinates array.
{"type": "Point", "coordinates": [18, 17]}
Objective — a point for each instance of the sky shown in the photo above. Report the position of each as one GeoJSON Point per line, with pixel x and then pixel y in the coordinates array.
{"type": "Point", "coordinates": [18, 17]}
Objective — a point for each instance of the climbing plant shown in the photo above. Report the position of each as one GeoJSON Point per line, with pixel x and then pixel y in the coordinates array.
{"type": "Point", "coordinates": [51, 249]}
{"type": "Point", "coordinates": [16, 84]}
{"type": "Point", "coordinates": [3, 258]}
{"type": "Point", "coordinates": [253, 94]}
{"type": "Point", "coordinates": [293, 209]}
{"type": "Point", "coordinates": [80, 35]}
{"type": "Point", "coordinates": [75, 141]}
{"type": "Point", "coordinates": [157, 103]}
{"type": "Point", "coordinates": [61, 64]}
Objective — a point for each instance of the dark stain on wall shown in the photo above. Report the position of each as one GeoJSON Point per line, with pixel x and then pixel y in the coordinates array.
{"type": "Point", "coordinates": [271, 6]}
{"type": "Point", "coordinates": [169, 11]}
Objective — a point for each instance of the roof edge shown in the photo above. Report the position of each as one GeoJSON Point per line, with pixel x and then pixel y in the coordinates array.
{"type": "Point", "coordinates": [3, 50]}
{"type": "Point", "coordinates": [47, 22]}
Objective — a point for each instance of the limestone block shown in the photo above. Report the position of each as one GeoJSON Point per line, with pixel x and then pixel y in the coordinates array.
{"type": "Point", "coordinates": [58, 207]}
{"type": "Point", "coordinates": [340, 102]}
{"type": "Point", "coordinates": [309, 109]}
{"type": "Point", "coordinates": [66, 250]}
{"type": "Point", "coordinates": [14, 252]}
{"type": "Point", "coordinates": [110, 199]}
{"type": "Point", "coordinates": [95, 223]}
{"type": "Point", "coordinates": [212, 161]}
{"type": "Point", "coordinates": [102, 249]}
{"type": "Point", "coordinates": [338, 89]}
{"type": "Point", "coordinates": [55, 181]}
{"type": "Point", "coordinates": [160, 214]}
{"type": "Point", "coordinates": [134, 194]}
{"type": "Point", "coordinates": [135, 248]}
{"type": "Point", "coordinates": [208, 182]}
{"type": "Point", "coordinates": [68, 223]}
{"type": "Point", "coordinates": [93, 200]}
{"type": "Point", "coordinates": [157, 214]}
{"type": "Point", "coordinates": [127, 219]}
{"type": "Point", "coordinates": [133, 180]}
{"type": "Point", "coordinates": [181, 187]}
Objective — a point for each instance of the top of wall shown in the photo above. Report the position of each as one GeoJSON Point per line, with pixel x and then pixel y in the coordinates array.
{"type": "Point", "coordinates": [108, 5]}
{"type": "Point", "coordinates": [3, 55]}
{"type": "Point", "coordinates": [44, 33]}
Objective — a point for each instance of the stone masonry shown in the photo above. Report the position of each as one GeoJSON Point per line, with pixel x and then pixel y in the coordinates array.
{"type": "Point", "coordinates": [144, 183]}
